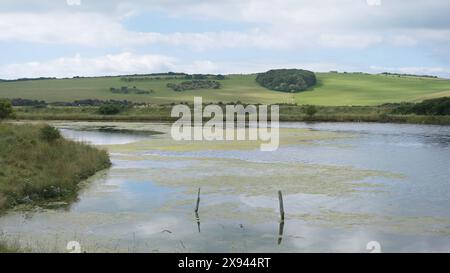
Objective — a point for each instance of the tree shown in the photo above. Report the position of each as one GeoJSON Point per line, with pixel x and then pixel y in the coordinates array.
{"type": "Point", "coordinates": [5, 108]}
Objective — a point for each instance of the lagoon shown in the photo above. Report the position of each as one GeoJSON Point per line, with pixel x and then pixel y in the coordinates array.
{"type": "Point", "coordinates": [344, 185]}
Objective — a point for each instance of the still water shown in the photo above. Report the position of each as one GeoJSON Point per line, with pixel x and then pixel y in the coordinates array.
{"type": "Point", "coordinates": [344, 185]}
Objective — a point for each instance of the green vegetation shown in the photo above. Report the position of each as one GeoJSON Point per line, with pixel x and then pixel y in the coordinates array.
{"type": "Point", "coordinates": [287, 80]}
{"type": "Point", "coordinates": [408, 75]}
{"type": "Point", "coordinates": [126, 90]}
{"type": "Point", "coordinates": [109, 109]}
{"type": "Point", "coordinates": [332, 89]}
{"type": "Point", "coordinates": [310, 110]}
{"type": "Point", "coordinates": [50, 133]}
{"type": "Point", "coordinates": [5, 108]}
{"type": "Point", "coordinates": [39, 166]}
{"type": "Point", "coordinates": [438, 107]}
{"type": "Point", "coordinates": [288, 112]}
{"type": "Point", "coordinates": [5, 248]}
{"type": "Point", "coordinates": [193, 85]}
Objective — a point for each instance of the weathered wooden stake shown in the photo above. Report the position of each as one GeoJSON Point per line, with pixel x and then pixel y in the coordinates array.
{"type": "Point", "coordinates": [196, 210]}
{"type": "Point", "coordinates": [280, 198]}
{"type": "Point", "coordinates": [198, 201]}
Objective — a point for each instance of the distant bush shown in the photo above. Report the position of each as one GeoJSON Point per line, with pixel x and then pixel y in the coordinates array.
{"type": "Point", "coordinates": [310, 110]}
{"type": "Point", "coordinates": [109, 109]}
{"type": "Point", "coordinates": [126, 90]}
{"type": "Point", "coordinates": [27, 102]}
{"type": "Point", "coordinates": [5, 108]}
{"type": "Point", "coordinates": [199, 77]}
{"type": "Point", "coordinates": [96, 102]}
{"type": "Point", "coordinates": [50, 133]}
{"type": "Point", "coordinates": [437, 107]}
{"type": "Point", "coordinates": [192, 85]}
{"type": "Point", "coordinates": [287, 80]}
{"type": "Point", "coordinates": [409, 75]}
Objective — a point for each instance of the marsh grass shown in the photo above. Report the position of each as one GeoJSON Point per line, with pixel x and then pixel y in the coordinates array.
{"type": "Point", "coordinates": [288, 112]}
{"type": "Point", "coordinates": [35, 171]}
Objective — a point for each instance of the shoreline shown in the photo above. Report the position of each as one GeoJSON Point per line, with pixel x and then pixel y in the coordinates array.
{"type": "Point", "coordinates": [382, 118]}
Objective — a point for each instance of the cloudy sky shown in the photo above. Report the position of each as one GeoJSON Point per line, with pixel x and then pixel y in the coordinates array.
{"type": "Point", "coordinates": [61, 38]}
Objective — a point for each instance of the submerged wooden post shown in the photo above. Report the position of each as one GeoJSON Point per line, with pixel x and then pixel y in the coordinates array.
{"type": "Point", "coordinates": [280, 198]}
{"type": "Point", "coordinates": [196, 210]}
{"type": "Point", "coordinates": [198, 201]}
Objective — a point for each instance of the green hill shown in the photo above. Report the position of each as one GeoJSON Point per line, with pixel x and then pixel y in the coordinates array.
{"type": "Point", "coordinates": [331, 89]}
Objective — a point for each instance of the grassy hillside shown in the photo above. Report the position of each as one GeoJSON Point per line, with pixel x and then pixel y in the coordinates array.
{"type": "Point", "coordinates": [361, 89]}
{"type": "Point", "coordinates": [332, 89]}
{"type": "Point", "coordinates": [35, 169]}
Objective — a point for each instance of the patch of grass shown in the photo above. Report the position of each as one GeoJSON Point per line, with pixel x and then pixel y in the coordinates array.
{"type": "Point", "coordinates": [35, 170]}
{"type": "Point", "coordinates": [5, 248]}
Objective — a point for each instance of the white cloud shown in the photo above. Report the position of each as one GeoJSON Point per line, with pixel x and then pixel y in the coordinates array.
{"type": "Point", "coordinates": [349, 40]}
{"type": "Point", "coordinates": [403, 40]}
{"type": "Point", "coordinates": [283, 24]}
{"type": "Point", "coordinates": [123, 63]}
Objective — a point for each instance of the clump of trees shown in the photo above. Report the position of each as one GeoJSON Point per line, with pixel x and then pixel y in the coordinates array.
{"type": "Point", "coordinates": [409, 75]}
{"type": "Point", "coordinates": [127, 90]}
{"type": "Point", "coordinates": [96, 102]}
{"type": "Point", "coordinates": [437, 107]}
{"type": "Point", "coordinates": [287, 80]}
{"type": "Point", "coordinates": [27, 102]}
{"type": "Point", "coordinates": [193, 85]}
{"type": "Point", "coordinates": [6, 109]}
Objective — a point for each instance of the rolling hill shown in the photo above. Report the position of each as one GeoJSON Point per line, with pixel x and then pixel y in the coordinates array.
{"type": "Point", "coordinates": [332, 89]}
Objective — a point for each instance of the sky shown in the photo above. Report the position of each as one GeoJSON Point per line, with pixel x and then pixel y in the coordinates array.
{"type": "Point", "coordinates": [66, 38]}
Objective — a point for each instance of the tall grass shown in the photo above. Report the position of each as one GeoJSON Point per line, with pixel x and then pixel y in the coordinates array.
{"type": "Point", "coordinates": [33, 170]}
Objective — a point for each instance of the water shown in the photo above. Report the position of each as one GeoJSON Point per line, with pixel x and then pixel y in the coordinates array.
{"type": "Point", "coordinates": [344, 185]}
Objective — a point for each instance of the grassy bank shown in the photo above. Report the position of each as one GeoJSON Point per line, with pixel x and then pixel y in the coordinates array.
{"type": "Point", "coordinates": [157, 113]}
{"type": "Point", "coordinates": [36, 168]}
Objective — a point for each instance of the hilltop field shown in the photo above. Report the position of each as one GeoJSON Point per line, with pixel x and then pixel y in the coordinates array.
{"type": "Point", "coordinates": [332, 89]}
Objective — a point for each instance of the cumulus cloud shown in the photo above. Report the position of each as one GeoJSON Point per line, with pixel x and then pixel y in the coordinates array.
{"type": "Point", "coordinates": [285, 24]}
{"type": "Point", "coordinates": [267, 25]}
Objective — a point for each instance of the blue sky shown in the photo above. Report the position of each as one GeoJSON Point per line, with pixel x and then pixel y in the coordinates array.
{"type": "Point", "coordinates": [64, 38]}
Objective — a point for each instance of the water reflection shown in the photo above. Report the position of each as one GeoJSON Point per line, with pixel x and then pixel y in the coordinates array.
{"type": "Point", "coordinates": [280, 232]}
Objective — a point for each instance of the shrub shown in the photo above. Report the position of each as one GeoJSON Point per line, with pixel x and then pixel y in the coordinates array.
{"type": "Point", "coordinates": [109, 109]}
{"type": "Point", "coordinates": [5, 108]}
{"type": "Point", "coordinates": [287, 80]}
{"type": "Point", "coordinates": [310, 110]}
{"type": "Point", "coordinates": [50, 133]}
{"type": "Point", "coordinates": [438, 107]}
{"type": "Point", "coordinates": [193, 85]}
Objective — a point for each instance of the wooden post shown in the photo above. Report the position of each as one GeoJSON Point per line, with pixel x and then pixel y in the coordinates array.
{"type": "Point", "coordinates": [280, 198]}
{"type": "Point", "coordinates": [198, 201]}
{"type": "Point", "coordinates": [196, 210]}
